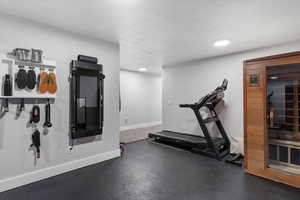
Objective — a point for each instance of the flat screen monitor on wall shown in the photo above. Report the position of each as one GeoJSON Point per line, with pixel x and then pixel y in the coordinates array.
{"type": "Point", "coordinates": [86, 97]}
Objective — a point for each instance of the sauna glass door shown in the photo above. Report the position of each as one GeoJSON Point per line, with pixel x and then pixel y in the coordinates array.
{"type": "Point", "coordinates": [283, 117]}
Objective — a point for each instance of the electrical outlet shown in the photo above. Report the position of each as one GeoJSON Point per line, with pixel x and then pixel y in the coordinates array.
{"type": "Point", "coordinates": [70, 149]}
{"type": "Point", "coordinates": [126, 120]}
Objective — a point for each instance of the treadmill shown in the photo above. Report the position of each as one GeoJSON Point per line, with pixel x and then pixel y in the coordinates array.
{"type": "Point", "coordinates": [216, 147]}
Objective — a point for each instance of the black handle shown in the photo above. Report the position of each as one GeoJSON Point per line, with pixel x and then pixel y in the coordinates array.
{"type": "Point", "coordinates": [48, 115]}
{"type": "Point", "coordinates": [36, 142]}
{"type": "Point", "coordinates": [185, 105]}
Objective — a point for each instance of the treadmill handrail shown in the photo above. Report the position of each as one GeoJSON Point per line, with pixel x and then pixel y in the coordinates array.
{"type": "Point", "coordinates": [212, 98]}
{"type": "Point", "coordinates": [186, 105]}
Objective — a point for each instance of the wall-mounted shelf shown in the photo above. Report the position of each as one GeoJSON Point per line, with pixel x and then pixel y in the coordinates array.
{"type": "Point", "coordinates": [26, 97]}
{"type": "Point", "coordinates": [9, 65]}
{"type": "Point", "coordinates": [27, 100]}
{"type": "Point", "coordinates": [29, 63]}
{"type": "Point", "coordinates": [32, 64]}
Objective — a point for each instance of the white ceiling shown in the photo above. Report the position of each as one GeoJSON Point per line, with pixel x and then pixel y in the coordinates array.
{"type": "Point", "coordinates": [152, 33]}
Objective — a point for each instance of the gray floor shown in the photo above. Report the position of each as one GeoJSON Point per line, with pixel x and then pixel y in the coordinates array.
{"type": "Point", "coordinates": [150, 171]}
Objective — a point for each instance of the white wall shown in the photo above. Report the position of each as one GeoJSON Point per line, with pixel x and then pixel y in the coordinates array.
{"type": "Point", "coordinates": [187, 82]}
{"type": "Point", "coordinates": [15, 138]}
{"type": "Point", "coordinates": [141, 99]}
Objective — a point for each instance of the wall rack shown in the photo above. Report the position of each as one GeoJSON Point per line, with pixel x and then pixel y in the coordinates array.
{"type": "Point", "coordinates": [32, 64]}
{"type": "Point", "coordinates": [10, 65]}
{"type": "Point", "coordinates": [29, 63]}
{"type": "Point", "coordinates": [27, 100]}
{"type": "Point", "coordinates": [25, 97]}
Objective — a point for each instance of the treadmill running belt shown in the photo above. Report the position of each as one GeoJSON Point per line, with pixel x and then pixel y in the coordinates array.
{"type": "Point", "coordinates": [179, 136]}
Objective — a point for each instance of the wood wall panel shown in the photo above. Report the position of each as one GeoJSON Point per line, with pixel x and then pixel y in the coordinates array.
{"type": "Point", "coordinates": [255, 119]}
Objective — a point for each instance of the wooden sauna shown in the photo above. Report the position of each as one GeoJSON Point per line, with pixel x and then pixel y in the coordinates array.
{"type": "Point", "coordinates": [272, 117]}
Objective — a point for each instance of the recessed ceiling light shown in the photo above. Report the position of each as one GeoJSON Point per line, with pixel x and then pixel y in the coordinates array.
{"type": "Point", "coordinates": [142, 69]}
{"type": "Point", "coordinates": [222, 43]}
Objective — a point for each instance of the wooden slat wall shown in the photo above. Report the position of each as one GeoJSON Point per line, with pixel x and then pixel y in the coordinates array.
{"type": "Point", "coordinates": [255, 119]}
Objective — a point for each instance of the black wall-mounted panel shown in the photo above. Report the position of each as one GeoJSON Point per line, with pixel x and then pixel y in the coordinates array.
{"type": "Point", "coordinates": [86, 98]}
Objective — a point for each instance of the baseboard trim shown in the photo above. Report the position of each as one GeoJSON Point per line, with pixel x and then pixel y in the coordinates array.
{"type": "Point", "coordinates": [141, 125]}
{"type": "Point", "coordinates": [38, 175]}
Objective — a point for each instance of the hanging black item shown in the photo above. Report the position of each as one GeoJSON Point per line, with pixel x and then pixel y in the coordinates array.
{"type": "Point", "coordinates": [36, 142]}
{"type": "Point", "coordinates": [21, 78]}
{"type": "Point", "coordinates": [7, 86]}
{"type": "Point", "coordinates": [48, 115]}
{"type": "Point", "coordinates": [4, 106]}
{"type": "Point", "coordinates": [35, 114]}
{"type": "Point", "coordinates": [86, 97]}
{"type": "Point", "coordinates": [20, 108]}
{"type": "Point", "coordinates": [31, 79]}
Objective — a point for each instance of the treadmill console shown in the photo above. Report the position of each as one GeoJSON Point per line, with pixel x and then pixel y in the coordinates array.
{"type": "Point", "coordinates": [215, 96]}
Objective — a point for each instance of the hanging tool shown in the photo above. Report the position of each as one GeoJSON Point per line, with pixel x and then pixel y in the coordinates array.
{"type": "Point", "coordinates": [7, 85]}
{"type": "Point", "coordinates": [20, 108]}
{"type": "Point", "coordinates": [34, 119]}
{"type": "Point", "coordinates": [48, 115]}
{"type": "Point", "coordinates": [36, 142]}
{"type": "Point", "coordinates": [4, 106]}
{"type": "Point", "coordinates": [35, 114]}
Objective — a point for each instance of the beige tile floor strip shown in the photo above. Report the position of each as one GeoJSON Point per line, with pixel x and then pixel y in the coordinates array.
{"type": "Point", "coordinates": [134, 135]}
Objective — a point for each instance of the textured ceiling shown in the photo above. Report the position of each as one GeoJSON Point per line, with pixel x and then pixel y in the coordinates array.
{"type": "Point", "coordinates": [152, 33]}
